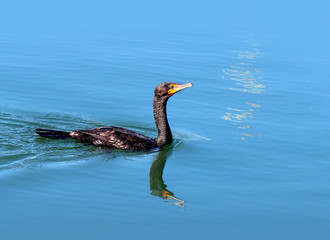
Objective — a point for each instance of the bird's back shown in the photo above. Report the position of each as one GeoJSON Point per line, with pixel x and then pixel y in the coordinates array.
{"type": "Point", "coordinates": [116, 137]}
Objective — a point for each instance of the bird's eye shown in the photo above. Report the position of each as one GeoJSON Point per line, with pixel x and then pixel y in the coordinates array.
{"type": "Point", "coordinates": [171, 86]}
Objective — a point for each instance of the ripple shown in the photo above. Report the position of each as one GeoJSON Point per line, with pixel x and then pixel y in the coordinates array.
{"type": "Point", "coordinates": [247, 78]}
{"type": "Point", "coordinates": [21, 148]}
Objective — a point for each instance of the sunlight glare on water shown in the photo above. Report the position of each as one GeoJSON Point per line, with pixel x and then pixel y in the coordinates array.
{"type": "Point", "coordinates": [248, 80]}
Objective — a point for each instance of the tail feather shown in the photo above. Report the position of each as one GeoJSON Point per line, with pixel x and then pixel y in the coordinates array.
{"type": "Point", "coordinates": [55, 134]}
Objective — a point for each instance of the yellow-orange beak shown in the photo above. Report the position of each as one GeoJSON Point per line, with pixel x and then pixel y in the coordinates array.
{"type": "Point", "coordinates": [178, 87]}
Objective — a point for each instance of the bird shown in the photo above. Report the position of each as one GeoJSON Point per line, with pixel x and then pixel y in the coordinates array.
{"type": "Point", "coordinates": [126, 139]}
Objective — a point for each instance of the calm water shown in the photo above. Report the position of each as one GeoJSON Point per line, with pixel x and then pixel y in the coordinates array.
{"type": "Point", "coordinates": [250, 159]}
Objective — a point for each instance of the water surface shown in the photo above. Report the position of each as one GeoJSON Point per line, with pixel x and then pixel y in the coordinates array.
{"type": "Point", "coordinates": [250, 157]}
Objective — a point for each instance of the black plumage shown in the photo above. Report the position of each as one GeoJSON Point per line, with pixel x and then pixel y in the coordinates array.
{"type": "Point", "coordinates": [121, 138]}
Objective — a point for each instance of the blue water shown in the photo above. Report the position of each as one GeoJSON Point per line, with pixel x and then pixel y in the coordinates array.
{"type": "Point", "coordinates": [250, 158]}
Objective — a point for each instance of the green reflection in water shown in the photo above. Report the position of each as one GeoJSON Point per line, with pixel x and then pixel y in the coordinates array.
{"type": "Point", "coordinates": [157, 185]}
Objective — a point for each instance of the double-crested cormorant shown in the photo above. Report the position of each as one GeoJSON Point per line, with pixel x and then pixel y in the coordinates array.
{"type": "Point", "coordinates": [122, 138]}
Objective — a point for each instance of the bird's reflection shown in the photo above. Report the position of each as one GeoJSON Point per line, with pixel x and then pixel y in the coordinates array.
{"type": "Point", "coordinates": [157, 185]}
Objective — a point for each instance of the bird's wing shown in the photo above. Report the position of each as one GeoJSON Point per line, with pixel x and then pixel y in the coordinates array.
{"type": "Point", "coordinates": [117, 137]}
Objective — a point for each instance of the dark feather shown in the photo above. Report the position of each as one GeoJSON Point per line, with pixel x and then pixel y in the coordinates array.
{"type": "Point", "coordinates": [53, 133]}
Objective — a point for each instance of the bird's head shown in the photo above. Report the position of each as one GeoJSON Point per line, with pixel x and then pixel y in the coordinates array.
{"type": "Point", "coordinates": [167, 89]}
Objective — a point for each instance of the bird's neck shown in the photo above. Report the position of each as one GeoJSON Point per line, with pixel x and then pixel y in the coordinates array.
{"type": "Point", "coordinates": [164, 130]}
